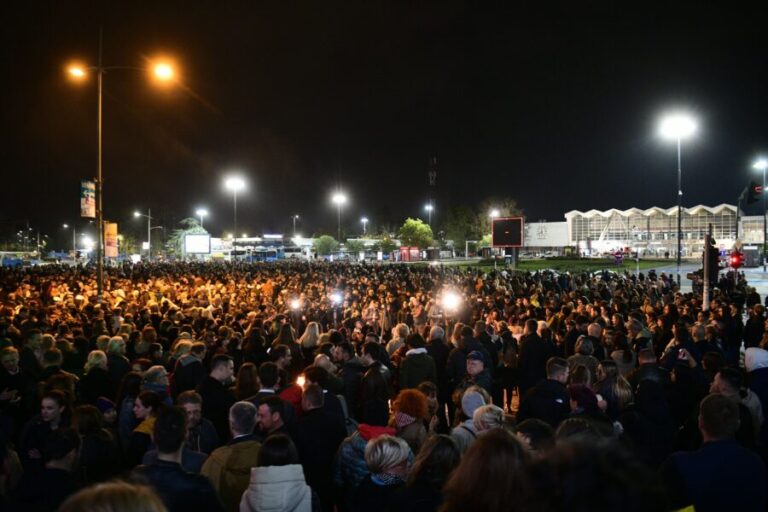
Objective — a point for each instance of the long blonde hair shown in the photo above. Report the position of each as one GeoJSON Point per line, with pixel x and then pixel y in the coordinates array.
{"type": "Point", "coordinates": [311, 335]}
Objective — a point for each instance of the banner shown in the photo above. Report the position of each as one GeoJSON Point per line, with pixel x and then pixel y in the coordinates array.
{"type": "Point", "coordinates": [87, 199]}
{"type": "Point", "coordinates": [110, 239]}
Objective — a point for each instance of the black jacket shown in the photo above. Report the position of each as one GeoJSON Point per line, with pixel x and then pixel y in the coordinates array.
{"type": "Point", "coordinates": [649, 371]}
{"type": "Point", "coordinates": [188, 373]}
{"type": "Point", "coordinates": [179, 490]}
{"type": "Point", "coordinates": [547, 401]}
{"type": "Point", "coordinates": [216, 403]}
{"type": "Point", "coordinates": [44, 491]}
{"type": "Point", "coordinates": [318, 437]}
{"type": "Point", "coordinates": [532, 360]}
{"type": "Point", "coordinates": [96, 383]}
{"type": "Point", "coordinates": [439, 351]}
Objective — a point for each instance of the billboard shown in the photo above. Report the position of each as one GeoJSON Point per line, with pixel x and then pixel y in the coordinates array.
{"type": "Point", "coordinates": [110, 239]}
{"type": "Point", "coordinates": [87, 199]}
{"type": "Point", "coordinates": [197, 244]}
{"type": "Point", "coordinates": [507, 232]}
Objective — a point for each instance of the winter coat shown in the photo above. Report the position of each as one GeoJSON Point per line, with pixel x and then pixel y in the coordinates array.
{"type": "Point", "coordinates": [188, 373]}
{"type": "Point", "coordinates": [464, 435]}
{"type": "Point", "coordinates": [277, 489]}
{"type": "Point", "coordinates": [350, 467]}
{"type": "Point", "coordinates": [417, 367]}
{"type": "Point", "coordinates": [547, 401]}
{"type": "Point", "coordinates": [229, 469]}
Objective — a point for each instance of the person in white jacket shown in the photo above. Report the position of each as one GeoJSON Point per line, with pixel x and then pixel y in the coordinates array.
{"type": "Point", "coordinates": [277, 482]}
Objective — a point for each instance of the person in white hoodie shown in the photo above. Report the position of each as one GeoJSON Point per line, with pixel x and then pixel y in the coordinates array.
{"type": "Point", "coordinates": [277, 482]}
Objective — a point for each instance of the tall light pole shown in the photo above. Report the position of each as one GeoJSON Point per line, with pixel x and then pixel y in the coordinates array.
{"type": "Point", "coordinates": [74, 240]}
{"type": "Point", "coordinates": [235, 184]}
{"type": "Point", "coordinates": [162, 72]}
{"type": "Point", "coordinates": [761, 165]}
{"type": "Point", "coordinates": [201, 212]}
{"type": "Point", "coordinates": [148, 216]}
{"type": "Point", "coordinates": [428, 208]}
{"type": "Point", "coordinates": [338, 199]}
{"type": "Point", "coordinates": [294, 218]}
{"type": "Point", "coordinates": [677, 127]}
{"type": "Point", "coordinates": [364, 220]}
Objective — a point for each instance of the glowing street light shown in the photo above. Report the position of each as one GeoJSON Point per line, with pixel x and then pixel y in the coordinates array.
{"type": "Point", "coordinates": [294, 218]}
{"type": "Point", "coordinates": [201, 212]}
{"type": "Point", "coordinates": [676, 127]}
{"type": "Point", "coordinates": [235, 184]}
{"type": "Point", "coordinates": [74, 239]}
{"type": "Point", "coordinates": [761, 164]}
{"type": "Point", "coordinates": [428, 208]}
{"type": "Point", "coordinates": [364, 220]}
{"type": "Point", "coordinates": [296, 304]}
{"type": "Point", "coordinates": [494, 214]}
{"type": "Point", "coordinates": [148, 216]}
{"type": "Point", "coordinates": [163, 72]}
{"type": "Point", "coordinates": [338, 199]}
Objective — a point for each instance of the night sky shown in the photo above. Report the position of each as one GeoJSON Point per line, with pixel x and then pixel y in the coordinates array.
{"type": "Point", "coordinates": [555, 107]}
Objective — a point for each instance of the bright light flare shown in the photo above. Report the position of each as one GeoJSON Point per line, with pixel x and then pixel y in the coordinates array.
{"type": "Point", "coordinates": [77, 71]}
{"type": "Point", "coordinates": [494, 213]}
{"type": "Point", "coordinates": [451, 300]}
{"type": "Point", "coordinates": [234, 183]}
{"type": "Point", "coordinates": [163, 71]}
{"type": "Point", "coordinates": [760, 164]}
{"type": "Point", "coordinates": [296, 304]}
{"type": "Point", "coordinates": [136, 214]}
{"type": "Point", "coordinates": [201, 212]}
{"type": "Point", "coordinates": [300, 381]}
{"type": "Point", "coordinates": [429, 208]}
{"type": "Point", "coordinates": [339, 198]}
{"type": "Point", "coordinates": [677, 126]}
{"type": "Point", "coordinates": [336, 298]}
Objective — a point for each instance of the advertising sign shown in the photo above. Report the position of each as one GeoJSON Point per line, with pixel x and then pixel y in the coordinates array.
{"type": "Point", "coordinates": [197, 244]}
{"type": "Point", "coordinates": [110, 239]}
{"type": "Point", "coordinates": [87, 199]}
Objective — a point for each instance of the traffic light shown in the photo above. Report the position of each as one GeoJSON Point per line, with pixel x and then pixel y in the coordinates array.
{"type": "Point", "coordinates": [737, 260]}
{"type": "Point", "coordinates": [713, 264]}
{"type": "Point", "coordinates": [755, 192]}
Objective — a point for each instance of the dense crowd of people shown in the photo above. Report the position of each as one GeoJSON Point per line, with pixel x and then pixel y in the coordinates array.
{"type": "Point", "coordinates": [320, 386]}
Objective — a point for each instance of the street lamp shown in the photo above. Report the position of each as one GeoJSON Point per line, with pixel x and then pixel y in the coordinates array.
{"type": "Point", "coordinates": [677, 127]}
{"type": "Point", "coordinates": [294, 218]}
{"type": "Point", "coordinates": [428, 208]}
{"type": "Point", "coordinates": [201, 212]}
{"type": "Point", "coordinates": [162, 72]}
{"type": "Point", "coordinates": [74, 239]}
{"type": "Point", "coordinates": [338, 199]}
{"type": "Point", "coordinates": [235, 184]}
{"type": "Point", "coordinates": [364, 220]}
{"type": "Point", "coordinates": [761, 165]}
{"type": "Point", "coordinates": [494, 214]}
{"type": "Point", "coordinates": [148, 216]}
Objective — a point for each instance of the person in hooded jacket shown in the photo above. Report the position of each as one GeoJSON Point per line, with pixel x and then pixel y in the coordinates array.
{"type": "Point", "coordinates": [277, 481]}
{"type": "Point", "coordinates": [417, 366]}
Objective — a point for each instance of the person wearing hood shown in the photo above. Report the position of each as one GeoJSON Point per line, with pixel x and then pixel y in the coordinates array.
{"type": "Point", "coordinates": [417, 366]}
{"type": "Point", "coordinates": [189, 371]}
{"type": "Point", "coordinates": [277, 481]}
{"type": "Point", "coordinates": [465, 433]}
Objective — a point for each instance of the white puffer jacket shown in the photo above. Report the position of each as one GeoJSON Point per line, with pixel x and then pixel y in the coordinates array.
{"type": "Point", "coordinates": [277, 488]}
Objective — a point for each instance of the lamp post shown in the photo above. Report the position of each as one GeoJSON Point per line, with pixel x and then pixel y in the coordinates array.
{"type": "Point", "coordinates": [235, 184]}
{"type": "Point", "coordinates": [74, 240]}
{"type": "Point", "coordinates": [294, 218]}
{"type": "Point", "coordinates": [162, 72]}
{"type": "Point", "coordinates": [364, 220]}
{"type": "Point", "coordinates": [148, 216]}
{"type": "Point", "coordinates": [761, 165]}
{"type": "Point", "coordinates": [201, 212]}
{"type": "Point", "coordinates": [428, 208]}
{"type": "Point", "coordinates": [677, 127]}
{"type": "Point", "coordinates": [338, 199]}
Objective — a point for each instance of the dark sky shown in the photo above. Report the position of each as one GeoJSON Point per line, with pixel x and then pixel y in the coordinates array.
{"type": "Point", "coordinates": [553, 106]}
